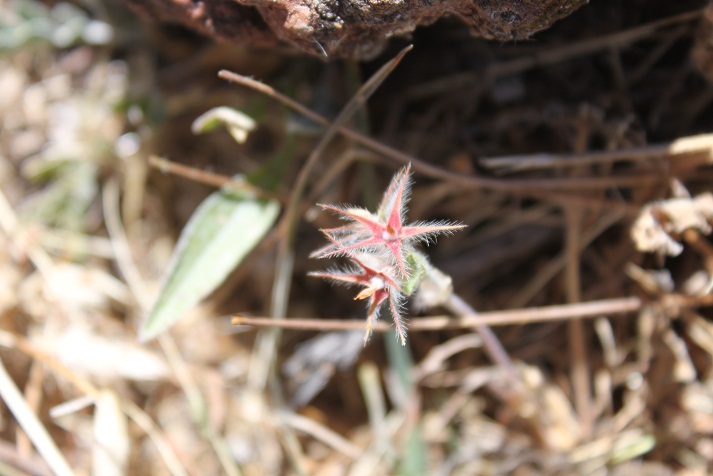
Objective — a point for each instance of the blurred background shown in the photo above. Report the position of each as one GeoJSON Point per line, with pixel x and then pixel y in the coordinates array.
{"type": "Point", "coordinates": [549, 149]}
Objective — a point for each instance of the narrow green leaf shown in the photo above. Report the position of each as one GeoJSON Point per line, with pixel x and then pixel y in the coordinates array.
{"type": "Point", "coordinates": [414, 456]}
{"type": "Point", "coordinates": [239, 124]}
{"type": "Point", "coordinates": [221, 232]}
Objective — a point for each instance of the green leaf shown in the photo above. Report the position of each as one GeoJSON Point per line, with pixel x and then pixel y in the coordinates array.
{"type": "Point", "coordinates": [239, 124]}
{"type": "Point", "coordinates": [414, 460]}
{"type": "Point", "coordinates": [221, 232]}
{"type": "Point", "coordinates": [417, 264]}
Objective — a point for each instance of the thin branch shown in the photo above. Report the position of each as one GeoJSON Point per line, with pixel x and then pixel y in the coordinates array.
{"type": "Point", "coordinates": [585, 310]}
{"type": "Point", "coordinates": [698, 145]}
{"type": "Point", "coordinates": [207, 178]}
{"type": "Point", "coordinates": [521, 187]}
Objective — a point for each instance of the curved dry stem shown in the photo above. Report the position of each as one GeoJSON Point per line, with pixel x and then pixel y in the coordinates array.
{"type": "Point", "coordinates": [520, 187]}
{"type": "Point", "coordinates": [492, 345]}
{"type": "Point", "coordinates": [267, 343]}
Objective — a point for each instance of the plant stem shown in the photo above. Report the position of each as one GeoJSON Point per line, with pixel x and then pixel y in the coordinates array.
{"type": "Point", "coordinates": [267, 342]}
{"type": "Point", "coordinates": [511, 317]}
{"type": "Point", "coordinates": [493, 347]}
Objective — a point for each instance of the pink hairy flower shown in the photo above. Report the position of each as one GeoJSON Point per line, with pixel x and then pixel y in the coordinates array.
{"type": "Point", "coordinates": [379, 244]}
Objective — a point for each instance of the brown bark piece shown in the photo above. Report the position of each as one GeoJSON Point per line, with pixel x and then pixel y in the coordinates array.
{"type": "Point", "coordinates": [351, 28]}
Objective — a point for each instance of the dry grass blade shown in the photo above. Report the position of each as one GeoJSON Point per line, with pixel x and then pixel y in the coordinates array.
{"type": "Point", "coordinates": [495, 318]}
{"type": "Point", "coordinates": [10, 225]}
{"type": "Point", "coordinates": [110, 455]}
{"type": "Point", "coordinates": [577, 341]}
{"type": "Point", "coordinates": [9, 457]}
{"type": "Point", "coordinates": [381, 445]}
{"type": "Point", "coordinates": [698, 147]}
{"type": "Point", "coordinates": [32, 426]}
{"type": "Point", "coordinates": [208, 178]}
{"type": "Point", "coordinates": [319, 432]}
{"type": "Point", "coordinates": [131, 409]}
{"type": "Point", "coordinates": [520, 187]}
